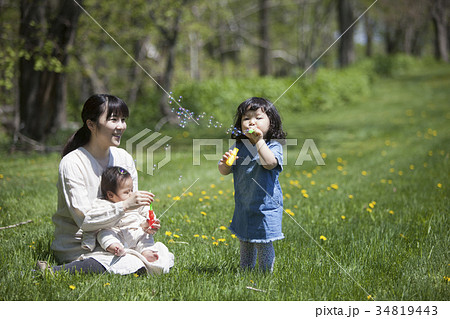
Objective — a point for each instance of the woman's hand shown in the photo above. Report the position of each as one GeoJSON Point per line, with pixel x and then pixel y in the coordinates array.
{"type": "Point", "coordinates": [138, 199]}
{"type": "Point", "coordinates": [152, 230]}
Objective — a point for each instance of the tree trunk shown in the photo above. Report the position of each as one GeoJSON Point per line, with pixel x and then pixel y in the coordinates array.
{"type": "Point", "coordinates": [264, 50]}
{"type": "Point", "coordinates": [42, 82]}
{"type": "Point", "coordinates": [346, 44]}
{"type": "Point", "coordinates": [439, 16]}
{"type": "Point", "coordinates": [166, 80]}
{"type": "Point", "coordinates": [369, 27]}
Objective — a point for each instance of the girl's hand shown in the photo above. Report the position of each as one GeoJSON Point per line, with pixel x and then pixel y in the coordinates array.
{"type": "Point", "coordinates": [224, 169]}
{"type": "Point", "coordinates": [255, 136]}
{"type": "Point", "coordinates": [138, 199]}
{"type": "Point", "coordinates": [152, 230]}
{"type": "Point", "coordinates": [225, 157]}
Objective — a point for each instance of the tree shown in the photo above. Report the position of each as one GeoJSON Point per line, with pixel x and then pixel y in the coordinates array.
{"type": "Point", "coordinates": [166, 17]}
{"type": "Point", "coordinates": [47, 29]}
{"type": "Point", "coordinates": [439, 16]}
{"type": "Point", "coordinates": [346, 44]}
{"type": "Point", "coordinates": [264, 49]}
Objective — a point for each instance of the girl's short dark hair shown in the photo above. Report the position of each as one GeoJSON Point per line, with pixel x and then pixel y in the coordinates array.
{"type": "Point", "coordinates": [93, 108]}
{"type": "Point", "coordinates": [252, 104]}
{"type": "Point", "coordinates": [112, 178]}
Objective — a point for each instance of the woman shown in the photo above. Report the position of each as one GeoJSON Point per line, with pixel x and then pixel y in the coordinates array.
{"type": "Point", "coordinates": [87, 153]}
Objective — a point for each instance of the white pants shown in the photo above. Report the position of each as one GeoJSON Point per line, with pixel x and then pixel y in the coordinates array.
{"type": "Point", "coordinates": [132, 238]}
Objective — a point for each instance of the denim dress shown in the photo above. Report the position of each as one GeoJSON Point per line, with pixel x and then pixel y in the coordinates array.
{"type": "Point", "coordinates": [258, 197]}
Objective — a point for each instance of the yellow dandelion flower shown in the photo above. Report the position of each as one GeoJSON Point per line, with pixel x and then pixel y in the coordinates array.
{"type": "Point", "coordinates": [306, 195]}
{"type": "Point", "coordinates": [200, 199]}
{"type": "Point", "coordinates": [340, 168]}
{"type": "Point", "coordinates": [203, 192]}
{"type": "Point", "coordinates": [430, 153]}
{"type": "Point", "coordinates": [222, 228]}
{"type": "Point", "coordinates": [364, 173]}
{"type": "Point", "coordinates": [313, 183]}
{"type": "Point", "coordinates": [371, 205]}
{"type": "Point", "coordinates": [233, 236]}
{"type": "Point", "coordinates": [339, 160]}
{"type": "Point", "coordinates": [1, 176]}
{"type": "Point", "coordinates": [168, 233]}
{"type": "Point", "coordinates": [383, 181]}
{"type": "Point", "coordinates": [221, 192]}
{"type": "Point", "coordinates": [391, 170]}
{"type": "Point", "coordinates": [342, 217]}
{"type": "Point", "coordinates": [328, 188]}
{"type": "Point", "coordinates": [324, 155]}
{"type": "Point", "coordinates": [203, 213]}
{"type": "Point", "coordinates": [135, 275]}
{"type": "Point", "coordinates": [350, 196]}
{"type": "Point", "coordinates": [216, 243]}
{"type": "Point", "coordinates": [288, 195]}
{"type": "Point", "coordinates": [400, 173]}
{"type": "Point", "coordinates": [334, 186]}
{"type": "Point", "coordinates": [177, 198]}
{"type": "Point", "coordinates": [72, 287]}
{"type": "Point", "coordinates": [391, 212]}
{"type": "Point", "coordinates": [411, 167]}
{"type": "Point", "coordinates": [222, 240]}
{"type": "Point", "coordinates": [322, 237]}
{"type": "Point", "coordinates": [176, 236]}
{"type": "Point", "coordinates": [171, 241]}
{"type": "Point", "coordinates": [206, 197]}
{"type": "Point", "coordinates": [289, 212]}
{"type": "Point", "coordinates": [204, 237]}
{"type": "Point", "coordinates": [369, 210]}
{"type": "Point", "coordinates": [369, 297]}
{"type": "Point", "coordinates": [303, 191]}
{"type": "Point", "coordinates": [196, 235]}
{"type": "Point", "coordinates": [439, 185]}
{"type": "Point", "coordinates": [107, 284]}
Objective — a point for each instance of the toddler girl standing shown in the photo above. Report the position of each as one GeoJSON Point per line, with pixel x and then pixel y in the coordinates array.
{"type": "Point", "coordinates": [258, 196]}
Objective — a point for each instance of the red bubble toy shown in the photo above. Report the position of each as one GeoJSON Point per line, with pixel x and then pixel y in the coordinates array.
{"type": "Point", "coordinates": [151, 217]}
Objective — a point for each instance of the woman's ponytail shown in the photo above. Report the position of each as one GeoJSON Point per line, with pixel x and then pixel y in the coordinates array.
{"type": "Point", "coordinates": [78, 139]}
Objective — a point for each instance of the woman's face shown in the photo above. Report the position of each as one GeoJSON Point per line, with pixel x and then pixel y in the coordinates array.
{"type": "Point", "coordinates": [108, 131]}
{"type": "Point", "coordinates": [255, 119]}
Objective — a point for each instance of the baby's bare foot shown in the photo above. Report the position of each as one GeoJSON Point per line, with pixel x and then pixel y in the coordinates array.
{"type": "Point", "coordinates": [151, 256]}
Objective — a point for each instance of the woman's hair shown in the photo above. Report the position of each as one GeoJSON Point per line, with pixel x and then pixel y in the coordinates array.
{"type": "Point", "coordinates": [93, 108]}
{"type": "Point", "coordinates": [252, 104]}
{"type": "Point", "coordinates": [112, 178]}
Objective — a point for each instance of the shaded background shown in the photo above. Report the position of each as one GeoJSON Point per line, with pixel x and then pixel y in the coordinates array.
{"type": "Point", "coordinates": [214, 54]}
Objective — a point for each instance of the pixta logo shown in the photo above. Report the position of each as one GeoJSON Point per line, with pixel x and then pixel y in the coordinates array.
{"type": "Point", "coordinates": [145, 145]}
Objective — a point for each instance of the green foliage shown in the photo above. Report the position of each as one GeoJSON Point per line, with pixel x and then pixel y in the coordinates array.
{"type": "Point", "coordinates": [391, 65]}
{"type": "Point", "coordinates": [324, 90]}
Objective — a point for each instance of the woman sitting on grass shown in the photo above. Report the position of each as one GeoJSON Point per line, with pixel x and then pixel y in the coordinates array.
{"type": "Point", "coordinates": [86, 155]}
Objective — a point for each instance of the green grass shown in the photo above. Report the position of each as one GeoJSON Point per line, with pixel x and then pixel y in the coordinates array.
{"type": "Point", "coordinates": [391, 148]}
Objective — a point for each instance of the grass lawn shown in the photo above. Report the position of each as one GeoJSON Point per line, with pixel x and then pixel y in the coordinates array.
{"type": "Point", "coordinates": [370, 224]}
